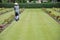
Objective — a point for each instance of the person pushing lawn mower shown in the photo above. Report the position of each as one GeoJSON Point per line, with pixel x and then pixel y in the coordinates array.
{"type": "Point", "coordinates": [16, 9]}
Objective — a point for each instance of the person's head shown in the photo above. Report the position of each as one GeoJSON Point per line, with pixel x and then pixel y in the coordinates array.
{"type": "Point", "coordinates": [16, 4]}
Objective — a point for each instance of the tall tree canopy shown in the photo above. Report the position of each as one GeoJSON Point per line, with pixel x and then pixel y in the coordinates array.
{"type": "Point", "coordinates": [0, 1]}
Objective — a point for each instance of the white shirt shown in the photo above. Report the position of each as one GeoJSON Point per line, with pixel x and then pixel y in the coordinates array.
{"type": "Point", "coordinates": [16, 8]}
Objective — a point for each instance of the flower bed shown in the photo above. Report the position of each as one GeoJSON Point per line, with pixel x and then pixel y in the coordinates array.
{"type": "Point", "coordinates": [5, 11]}
{"type": "Point", "coordinates": [6, 22]}
{"type": "Point", "coordinates": [54, 16]}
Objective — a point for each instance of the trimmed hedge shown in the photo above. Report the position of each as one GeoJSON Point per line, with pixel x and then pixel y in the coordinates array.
{"type": "Point", "coordinates": [32, 5]}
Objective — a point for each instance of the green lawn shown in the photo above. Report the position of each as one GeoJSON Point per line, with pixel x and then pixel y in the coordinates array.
{"type": "Point", "coordinates": [34, 24]}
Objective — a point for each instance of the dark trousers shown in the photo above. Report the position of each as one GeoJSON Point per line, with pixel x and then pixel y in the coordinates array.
{"type": "Point", "coordinates": [16, 14]}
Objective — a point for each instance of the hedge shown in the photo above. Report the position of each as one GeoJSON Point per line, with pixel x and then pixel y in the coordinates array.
{"type": "Point", "coordinates": [31, 5]}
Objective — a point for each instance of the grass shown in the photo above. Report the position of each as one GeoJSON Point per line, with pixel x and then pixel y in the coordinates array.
{"type": "Point", "coordinates": [34, 24]}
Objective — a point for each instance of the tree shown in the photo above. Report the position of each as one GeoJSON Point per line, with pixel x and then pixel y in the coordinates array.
{"type": "Point", "coordinates": [0, 1]}
{"type": "Point", "coordinates": [11, 1]}
{"type": "Point", "coordinates": [30, 0]}
{"type": "Point", "coordinates": [58, 0]}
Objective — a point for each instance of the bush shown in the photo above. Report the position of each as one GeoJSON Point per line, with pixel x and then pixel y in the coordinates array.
{"type": "Point", "coordinates": [8, 20]}
{"type": "Point", "coordinates": [53, 15]}
{"type": "Point", "coordinates": [32, 5]}
{"type": "Point", "coordinates": [49, 11]}
{"type": "Point", "coordinates": [58, 17]}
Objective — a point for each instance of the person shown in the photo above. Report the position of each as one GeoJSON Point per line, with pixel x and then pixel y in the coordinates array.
{"type": "Point", "coordinates": [16, 9]}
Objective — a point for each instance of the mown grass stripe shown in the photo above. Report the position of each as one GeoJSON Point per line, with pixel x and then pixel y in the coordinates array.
{"type": "Point", "coordinates": [34, 24]}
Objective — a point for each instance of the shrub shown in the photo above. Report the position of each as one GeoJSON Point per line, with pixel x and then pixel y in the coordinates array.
{"type": "Point", "coordinates": [58, 17]}
{"type": "Point", "coordinates": [53, 15]}
{"type": "Point", "coordinates": [21, 10]}
{"type": "Point", "coordinates": [10, 18]}
{"type": "Point", "coordinates": [32, 5]}
{"type": "Point", "coordinates": [50, 12]}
